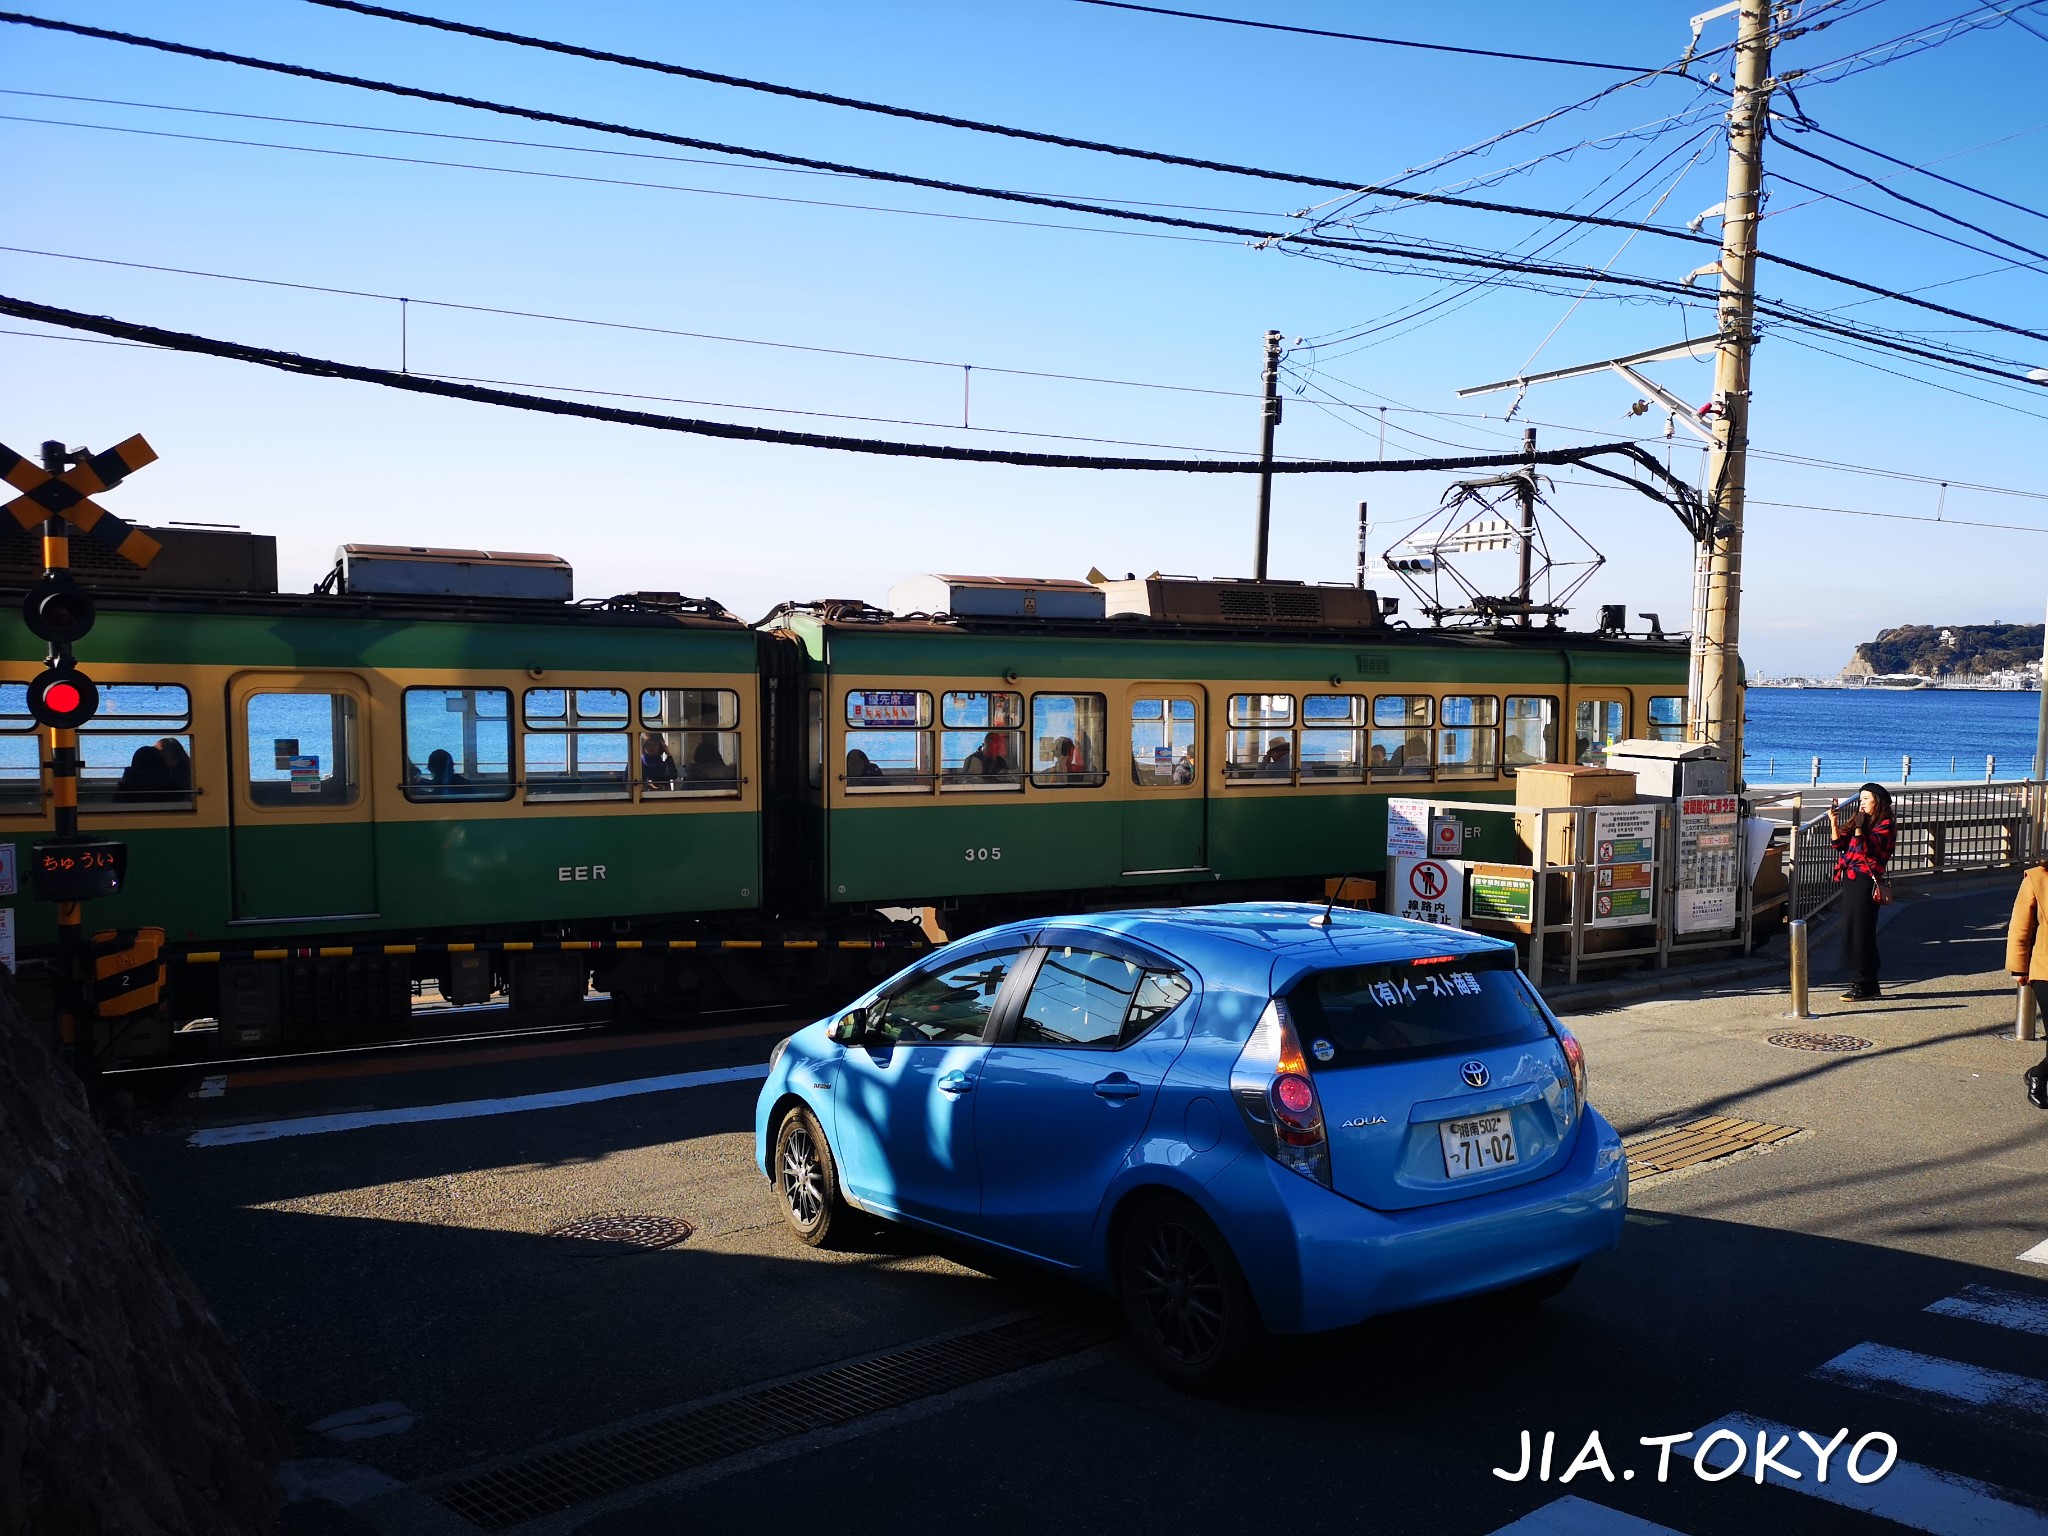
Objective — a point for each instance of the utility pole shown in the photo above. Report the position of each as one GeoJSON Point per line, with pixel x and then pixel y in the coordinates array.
{"type": "Point", "coordinates": [1525, 492]}
{"type": "Point", "coordinates": [1269, 419]}
{"type": "Point", "coordinates": [1717, 694]}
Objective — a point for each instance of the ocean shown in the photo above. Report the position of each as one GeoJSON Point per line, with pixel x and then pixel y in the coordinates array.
{"type": "Point", "coordinates": [1864, 733]}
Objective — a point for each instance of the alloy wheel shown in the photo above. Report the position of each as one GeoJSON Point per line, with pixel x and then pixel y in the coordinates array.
{"type": "Point", "coordinates": [803, 1182]}
{"type": "Point", "coordinates": [1181, 1293]}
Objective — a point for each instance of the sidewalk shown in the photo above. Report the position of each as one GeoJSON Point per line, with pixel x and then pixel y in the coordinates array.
{"type": "Point", "coordinates": [1934, 1103]}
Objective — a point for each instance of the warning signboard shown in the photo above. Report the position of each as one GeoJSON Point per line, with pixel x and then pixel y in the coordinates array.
{"type": "Point", "coordinates": [1429, 891]}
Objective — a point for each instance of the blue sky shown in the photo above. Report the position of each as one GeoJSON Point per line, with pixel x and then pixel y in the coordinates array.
{"type": "Point", "coordinates": [321, 462]}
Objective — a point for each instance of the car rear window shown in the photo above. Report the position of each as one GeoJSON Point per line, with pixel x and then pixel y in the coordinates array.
{"type": "Point", "coordinates": [1359, 1014]}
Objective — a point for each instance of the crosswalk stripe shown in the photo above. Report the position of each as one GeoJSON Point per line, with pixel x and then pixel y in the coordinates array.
{"type": "Point", "coordinates": [2000, 1308]}
{"type": "Point", "coordinates": [1572, 1516]}
{"type": "Point", "coordinates": [1940, 1503]}
{"type": "Point", "coordinates": [2038, 1254]}
{"type": "Point", "coordinates": [2019, 1401]}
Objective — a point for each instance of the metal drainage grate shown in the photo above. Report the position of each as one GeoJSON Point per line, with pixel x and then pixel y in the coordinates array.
{"type": "Point", "coordinates": [613, 1231]}
{"type": "Point", "coordinates": [562, 1477]}
{"type": "Point", "coordinates": [1814, 1040]}
{"type": "Point", "coordinates": [1700, 1141]}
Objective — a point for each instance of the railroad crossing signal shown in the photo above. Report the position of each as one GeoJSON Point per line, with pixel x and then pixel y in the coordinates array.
{"type": "Point", "coordinates": [62, 697]}
{"type": "Point", "coordinates": [69, 495]}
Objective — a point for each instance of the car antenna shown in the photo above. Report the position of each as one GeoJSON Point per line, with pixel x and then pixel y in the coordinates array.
{"type": "Point", "coordinates": [1336, 890]}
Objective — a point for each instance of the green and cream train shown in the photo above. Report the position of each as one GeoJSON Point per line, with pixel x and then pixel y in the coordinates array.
{"type": "Point", "coordinates": [439, 769]}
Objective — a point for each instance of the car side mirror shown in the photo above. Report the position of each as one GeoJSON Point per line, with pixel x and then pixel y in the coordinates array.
{"type": "Point", "coordinates": [848, 1030]}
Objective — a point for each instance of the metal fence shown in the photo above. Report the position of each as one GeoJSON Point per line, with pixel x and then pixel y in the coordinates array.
{"type": "Point", "coordinates": [1943, 829]}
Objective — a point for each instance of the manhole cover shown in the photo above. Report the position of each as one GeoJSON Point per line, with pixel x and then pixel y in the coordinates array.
{"type": "Point", "coordinates": [611, 1231]}
{"type": "Point", "coordinates": [1813, 1040]}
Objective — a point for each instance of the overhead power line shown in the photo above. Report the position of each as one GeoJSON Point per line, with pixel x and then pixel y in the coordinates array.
{"type": "Point", "coordinates": [1064, 141]}
{"type": "Point", "coordinates": [1910, 202]}
{"type": "Point", "coordinates": [1360, 37]}
{"type": "Point", "coordinates": [1263, 237]}
{"type": "Point", "coordinates": [1676, 493]}
{"type": "Point", "coordinates": [1922, 169]}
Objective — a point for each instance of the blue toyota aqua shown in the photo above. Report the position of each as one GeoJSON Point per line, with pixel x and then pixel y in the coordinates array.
{"type": "Point", "coordinates": [1237, 1118]}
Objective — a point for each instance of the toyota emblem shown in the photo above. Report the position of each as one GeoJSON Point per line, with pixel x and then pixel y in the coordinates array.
{"type": "Point", "coordinates": [1475, 1074]}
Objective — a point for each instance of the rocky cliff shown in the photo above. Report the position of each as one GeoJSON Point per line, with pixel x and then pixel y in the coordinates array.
{"type": "Point", "coordinates": [1949, 650]}
{"type": "Point", "coordinates": [122, 1407]}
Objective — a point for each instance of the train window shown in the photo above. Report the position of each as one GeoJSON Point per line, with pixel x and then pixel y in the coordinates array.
{"type": "Point", "coordinates": [136, 751]}
{"type": "Point", "coordinates": [1667, 718]}
{"type": "Point", "coordinates": [1259, 746]}
{"type": "Point", "coordinates": [1400, 736]}
{"type": "Point", "coordinates": [304, 749]}
{"type": "Point", "coordinates": [981, 743]}
{"type": "Point", "coordinates": [814, 736]}
{"type": "Point", "coordinates": [693, 746]}
{"type": "Point", "coordinates": [1598, 724]}
{"type": "Point", "coordinates": [1467, 736]}
{"type": "Point", "coordinates": [888, 740]}
{"type": "Point", "coordinates": [576, 744]}
{"type": "Point", "coordinates": [1067, 731]}
{"type": "Point", "coordinates": [1162, 742]}
{"type": "Point", "coordinates": [458, 744]}
{"type": "Point", "coordinates": [1332, 737]}
{"type": "Point", "coordinates": [21, 753]}
{"type": "Point", "coordinates": [1531, 734]}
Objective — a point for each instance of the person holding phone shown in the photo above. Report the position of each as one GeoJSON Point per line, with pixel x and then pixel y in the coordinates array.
{"type": "Point", "coordinates": [1863, 838]}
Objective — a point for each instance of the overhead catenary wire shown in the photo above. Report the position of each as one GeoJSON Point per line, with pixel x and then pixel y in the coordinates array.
{"type": "Point", "coordinates": [1361, 37]}
{"type": "Point", "coordinates": [1675, 494]}
{"type": "Point", "coordinates": [1263, 237]}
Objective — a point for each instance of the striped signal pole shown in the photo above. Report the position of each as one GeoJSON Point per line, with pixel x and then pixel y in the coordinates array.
{"type": "Point", "coordinates": [64, 797]}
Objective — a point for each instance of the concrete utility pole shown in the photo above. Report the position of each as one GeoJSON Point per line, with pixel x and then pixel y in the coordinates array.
{"type": "Point", "coordinates": [1717, 695]}
{"type": "Point", "coordinates": [1269, 419]}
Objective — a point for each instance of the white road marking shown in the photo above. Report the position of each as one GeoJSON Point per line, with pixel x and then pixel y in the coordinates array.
{"type": "Point", "coordinates": [365, 1423]}
{"type": "Point", "coordinates": [2017, 1400]}
{"type": "Point", "coordinates": [2038, 1254]}
{"type": "Point", "coordinates": [2000, 1308]}
{"type": "Point", "coordinates": [1940, 1503]}
{"type": "Point", "coordinates": [1571, 1516]}
{"type": "Point", "coordinates": [210, 1088]}
{"type": "Point", "coordinates": [419, 1114]}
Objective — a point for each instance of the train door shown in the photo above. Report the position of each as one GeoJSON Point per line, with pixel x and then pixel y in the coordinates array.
{"type": "Point", "coordinates": [1165, 799]}
{"type": "Point", "coordinates": [303, 831]}
{"type": "Point", "coordinates": [1598, 721]}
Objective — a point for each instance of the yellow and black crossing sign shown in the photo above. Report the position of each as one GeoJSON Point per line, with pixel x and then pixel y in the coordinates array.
{"type": "Point", "coordinates": [69, 495]}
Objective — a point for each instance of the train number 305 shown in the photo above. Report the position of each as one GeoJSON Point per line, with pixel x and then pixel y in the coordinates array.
{"type": "Point", "coordinates": [983, 855]}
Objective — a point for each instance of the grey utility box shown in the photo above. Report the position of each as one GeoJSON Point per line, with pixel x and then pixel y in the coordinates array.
{"type": "Point", "coordinates": [997, 597]}
{"type": "Point", "coordinates": [1671, 770]}
{"type": "Point", "coordinates": [411, 570]}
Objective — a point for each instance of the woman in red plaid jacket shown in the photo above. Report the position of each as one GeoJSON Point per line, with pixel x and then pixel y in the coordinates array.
{"type": "Point", "coordinates": [1864, 839]}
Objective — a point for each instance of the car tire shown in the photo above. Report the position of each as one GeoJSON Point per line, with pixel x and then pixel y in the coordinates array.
{"type": "Point", "coordinates": [1533, 1293]}
{"type": "Point", "coordinates": [1184, 1296]}
{"type": "Point", "coordinates": [807, 1182]}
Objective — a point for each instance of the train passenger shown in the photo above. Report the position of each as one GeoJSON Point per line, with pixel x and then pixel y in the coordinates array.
{"type": "Point", "coordinates": [860, 766]}
{"type": "Point", "coordinates": [147, 774]}
{"type": "Point", "coordinates": [990, 760]}
{"type": "Point", "coordinates": [707, 766]}
{"type": "Point", "coordinates": [178, 761]}
{"type": "Point", "coordinates": [1278, 762]}
{"type": "Point", "coordinates": [657, 767]}
{"type": "Point", "coordinates": [441, 774]}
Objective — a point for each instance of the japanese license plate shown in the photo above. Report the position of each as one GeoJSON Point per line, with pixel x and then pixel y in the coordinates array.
{"type": "Point", "coordinates": [1476, 1143]}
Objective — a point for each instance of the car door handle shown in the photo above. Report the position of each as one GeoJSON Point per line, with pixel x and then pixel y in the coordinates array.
{"type": "Point", "coordinates": [956, 1083]}
{"type": "Point", "coordinates": [1117, 1087]}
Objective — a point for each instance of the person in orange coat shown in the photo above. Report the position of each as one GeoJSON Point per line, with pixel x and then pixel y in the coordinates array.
{"type": "Point", "coordinates": [2026, 957]}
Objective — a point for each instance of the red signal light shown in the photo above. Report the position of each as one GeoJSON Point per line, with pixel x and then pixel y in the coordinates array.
{"type": "Point", "coordinates": [62, 698]}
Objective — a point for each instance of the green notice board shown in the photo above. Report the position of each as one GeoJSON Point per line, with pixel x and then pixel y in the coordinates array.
{"type": "Point", "coordinates": [1505, 898]}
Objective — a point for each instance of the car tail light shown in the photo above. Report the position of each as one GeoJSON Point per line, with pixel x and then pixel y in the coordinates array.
{"type": "Point", "coordinates": [1278, 1098]}
{"type": "Point", "coordinates": [1575, 1058]}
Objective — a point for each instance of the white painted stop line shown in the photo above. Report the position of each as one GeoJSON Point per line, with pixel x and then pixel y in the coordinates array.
{"type": "Point", "coordinates": [2020, 1401]}
{"type": "Point", "coordinates": [468, 1109]}
{"type": "Point", "coordinates": [1571, 1516]}
{"type": "Point", "coordinates": [2038, 1254]}
{"type": "Point", "coordinates": [2000, 1308]}
{"type": "Point", "coordinates": [1940, 1503]}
